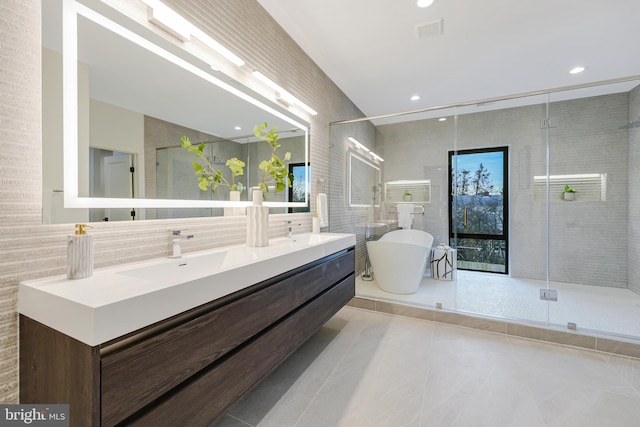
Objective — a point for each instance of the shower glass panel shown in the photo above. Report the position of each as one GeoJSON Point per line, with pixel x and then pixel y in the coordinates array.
{"type": "Point", "coordinates": [354, 187]}
{"type": "Point", "coordinates": [499, 148]}
{"type": "Point", "coordinates": [593, 237]}
{"type": "Point", "coordinates": [416, 153]}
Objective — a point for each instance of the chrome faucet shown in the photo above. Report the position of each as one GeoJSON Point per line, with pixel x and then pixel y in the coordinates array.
{"type": "Point", "coordinates": [290, 228]}
{"type": "Point", "coordinates": [176, 247]}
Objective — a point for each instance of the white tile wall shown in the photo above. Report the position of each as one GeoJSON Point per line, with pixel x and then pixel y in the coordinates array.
{"type": "Point", "coordinates": [20, 187]}
{"type": "Point", "coordinates": [29, 249]}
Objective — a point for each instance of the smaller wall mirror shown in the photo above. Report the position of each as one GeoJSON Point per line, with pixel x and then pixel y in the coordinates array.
{"type": "Point", "coordinates": [364, 182]}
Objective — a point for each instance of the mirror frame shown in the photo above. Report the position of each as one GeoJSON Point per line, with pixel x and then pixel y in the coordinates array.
{"type": "Point", "coordinates": [71, 9]}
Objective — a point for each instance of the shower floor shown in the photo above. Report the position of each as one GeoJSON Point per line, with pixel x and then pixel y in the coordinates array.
{"type": "Point", "coordinates": [599, 309]}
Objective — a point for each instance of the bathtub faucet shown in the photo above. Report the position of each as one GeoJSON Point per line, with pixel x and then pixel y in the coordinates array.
{"type": "Point", "coordinates": [370, 226]}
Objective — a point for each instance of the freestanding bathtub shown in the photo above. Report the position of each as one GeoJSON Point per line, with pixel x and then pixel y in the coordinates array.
{"type": "Point", "coordinates": [399, 258]}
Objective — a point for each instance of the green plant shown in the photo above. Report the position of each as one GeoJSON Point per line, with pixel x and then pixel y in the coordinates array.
{"type": "Point", "coordinates": [210, 177]}
{"type": "Point", "coordinates": [236, 166]}
{"type": "Point", "coordinates": [407, 193]}
{"type": "Point", "coordinates": [568, 193]}
{"type": "Point", "coordinates": [274, 170]}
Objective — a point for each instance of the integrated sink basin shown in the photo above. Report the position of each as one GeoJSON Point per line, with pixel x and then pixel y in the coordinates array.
{"type": "Point", "coordinates": [194, 266]}
{"type": "Point", "coordinates": [304, 239]}
{"type": "Point", "coordinates": [190, 267]}
{"type": "Point", "coordinates": [118, 300]}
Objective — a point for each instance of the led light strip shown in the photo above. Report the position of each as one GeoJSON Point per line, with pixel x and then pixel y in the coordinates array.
{"type": "Point", "coordinates": [365, 149]}
{"type": "Point", "coordinates": [358, 144]}
{"type": "Point", "coordinates": [576, 176]}
{"type": "Point", "coordinates": [165, 18]}
{"type": "Point", "coordinates": [283, 94]}
{"type": "Point", "coordinates": [170, 21]}
{"type": "Point", "coordinates": [375, 156]}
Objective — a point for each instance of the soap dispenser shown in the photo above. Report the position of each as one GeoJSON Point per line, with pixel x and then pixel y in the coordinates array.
{"type": "Point", "coordinates": [315, 224]}
{"type": "Point", "coordinates": [80, 253]}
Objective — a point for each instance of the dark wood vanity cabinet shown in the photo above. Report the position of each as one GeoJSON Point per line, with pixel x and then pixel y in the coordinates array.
{"type": "Point", "coordinates": [189, 369]}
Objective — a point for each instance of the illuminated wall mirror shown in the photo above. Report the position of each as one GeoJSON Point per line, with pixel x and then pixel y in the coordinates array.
{"type": "Point", "coordinates": [364, 179]}
{"type": "Point", "coordinates": [130, 93]}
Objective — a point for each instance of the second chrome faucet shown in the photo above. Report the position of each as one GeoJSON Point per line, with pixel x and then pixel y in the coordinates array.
{"type": "Point", "coordinates": [176, 247]}
{"type": "Point", "coordinates": [290, 225]}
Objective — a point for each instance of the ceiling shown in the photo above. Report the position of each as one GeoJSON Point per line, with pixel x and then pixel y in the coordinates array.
{"type": "Point", "coordinates": [489, 48]}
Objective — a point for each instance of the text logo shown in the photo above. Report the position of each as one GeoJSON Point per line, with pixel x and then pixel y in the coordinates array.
{"type": "Point", "coordinates": [34, 415]}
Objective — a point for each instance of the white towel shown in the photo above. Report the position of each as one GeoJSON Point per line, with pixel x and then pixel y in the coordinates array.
{"type": "Point", "coordinates": [405, 215]}
{"type": "Point", "coordinates": [323, 211]}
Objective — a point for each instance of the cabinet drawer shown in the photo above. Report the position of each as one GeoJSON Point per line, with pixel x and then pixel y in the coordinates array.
{"type": "Point", "coordinates": [208, 396]}
{"type": "Point", "coordinates": [138, 374]}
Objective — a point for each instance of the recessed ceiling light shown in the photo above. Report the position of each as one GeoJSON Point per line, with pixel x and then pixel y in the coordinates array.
{"type": "Point", "coordinates": [576, 70]}
{"type": "Point", "coordinates": [442, 119]}
{"type": "Point", "coordinates": [237, 128]}
{"type": "Point", "coordinates": [425, 3]}
{"type": "Point", "coordinates": [415, 97]}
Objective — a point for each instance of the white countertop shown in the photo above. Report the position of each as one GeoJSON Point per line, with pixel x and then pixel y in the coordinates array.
{"type": "Point", "coordinates": [118, 300]}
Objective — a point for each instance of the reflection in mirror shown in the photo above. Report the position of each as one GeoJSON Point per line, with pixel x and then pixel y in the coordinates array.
{"type": "Point", "coordinates": [364, 182]}
{"type": "Point", "coordinates": [175, 177]}
{"type": "Point", "coordinates": [125, 105]}
{"type": "Point", "coordinates": [112, 174]}
{"type": "Point", "coordinates": [298, 192]}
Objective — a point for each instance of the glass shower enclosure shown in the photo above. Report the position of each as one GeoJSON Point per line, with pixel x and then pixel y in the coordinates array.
{"type": "Point", "coordinates": [535, 192]}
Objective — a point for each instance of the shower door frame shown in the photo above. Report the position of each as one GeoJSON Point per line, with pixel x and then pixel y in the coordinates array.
{"type": "Point", "coordinates": [454, 235]}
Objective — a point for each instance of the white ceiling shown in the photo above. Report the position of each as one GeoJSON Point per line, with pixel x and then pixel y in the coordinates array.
{"type": "Point", "coordinates": [488, 48]}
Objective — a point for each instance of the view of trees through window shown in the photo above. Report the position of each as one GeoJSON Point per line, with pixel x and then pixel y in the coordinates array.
{"type": "Point", "coordinates": [297, 190]}
{"type": "Point", "coordinates": [478, 208]}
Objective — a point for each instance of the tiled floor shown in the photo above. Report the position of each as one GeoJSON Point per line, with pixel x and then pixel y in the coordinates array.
{"type": "Point", "coordinates": [609, 310]}
{"type": "Point", "coordinates": [369, 369]}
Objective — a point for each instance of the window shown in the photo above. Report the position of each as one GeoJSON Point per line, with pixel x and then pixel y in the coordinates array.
{"type": "Point", "coordinates": [478, 208]}
{"type": "Point", "coordinates": [297, 190]}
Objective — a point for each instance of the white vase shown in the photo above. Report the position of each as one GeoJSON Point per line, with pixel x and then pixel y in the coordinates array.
{"type": "Point", "coordinates": [234, 196]}
{"type": "Point", "coordinates": [568, 196]}
{"type": "Point", "coordinates": [256, 197]}
{"type": "Point", "coordinates": [257, 222]}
